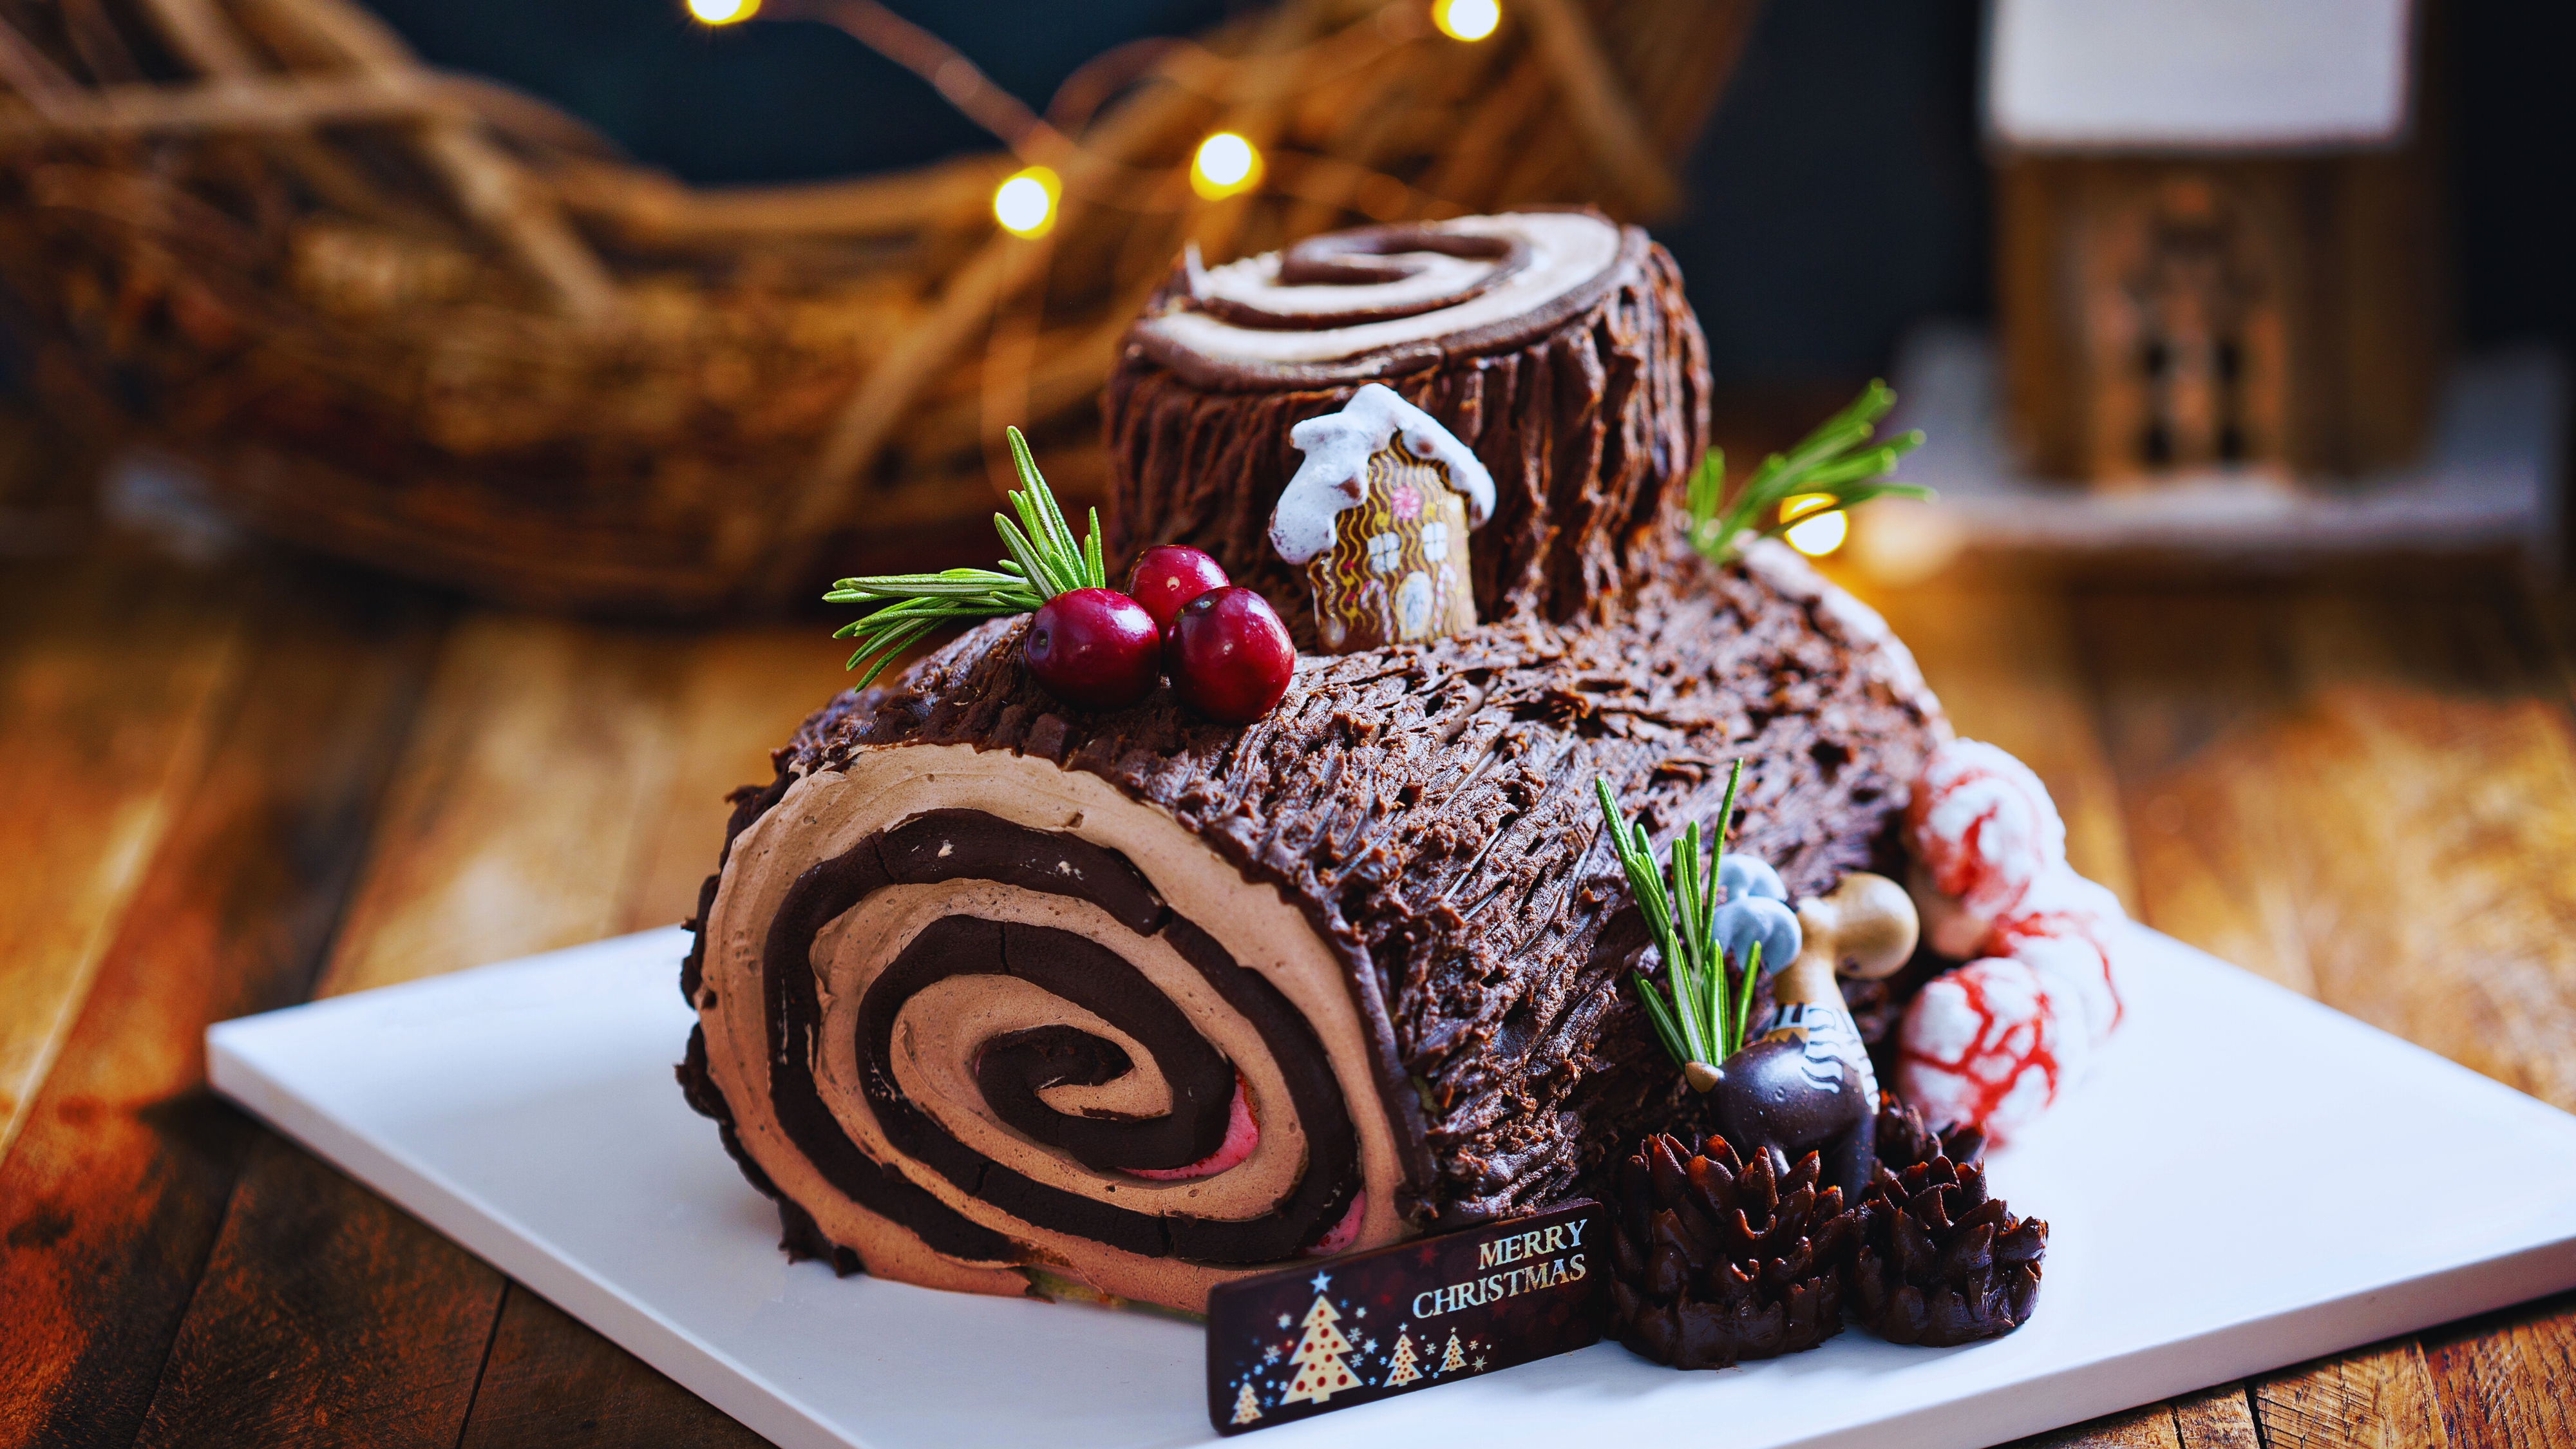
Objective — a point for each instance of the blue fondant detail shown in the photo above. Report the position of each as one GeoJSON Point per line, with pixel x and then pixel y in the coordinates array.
{"type": "Point", "coordinates": [1741, 922]}
{"type": "Point", "coordinates": [1746, 877]}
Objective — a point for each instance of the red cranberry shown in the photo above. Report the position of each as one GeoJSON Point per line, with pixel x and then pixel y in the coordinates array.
{"type": "Point", "coordinates": [1229, 655]}
{"type": "Point", "coordinates": [1168, 576]}
{"type": "Point", "coordinates": [1095, 648]}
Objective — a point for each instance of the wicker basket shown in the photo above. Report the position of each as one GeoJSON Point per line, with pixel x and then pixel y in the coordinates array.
{"type": "Point", "coordinates": [428, 323]}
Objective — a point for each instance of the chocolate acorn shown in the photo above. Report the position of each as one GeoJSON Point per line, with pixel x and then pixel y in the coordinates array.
{"type": "Point", "coordinates": [1715, 1260]}
{"type": "Point", "coordinates": [1940, 1262]}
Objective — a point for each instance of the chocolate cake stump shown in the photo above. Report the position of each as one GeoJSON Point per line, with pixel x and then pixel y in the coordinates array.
{"type": "Point", "coordinates": [1556, 345]}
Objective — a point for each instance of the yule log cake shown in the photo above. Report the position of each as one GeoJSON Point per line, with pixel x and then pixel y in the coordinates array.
{"type": "Point", "coordinates": [996, 993]}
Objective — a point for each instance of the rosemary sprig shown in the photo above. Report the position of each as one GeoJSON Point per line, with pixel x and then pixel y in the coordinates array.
{"type": "Point", "coordinates": [1832, 461]}
{"type": "Point", "coordinates": [1691, 1013]}
{"type": "Point", "coordinates": [1045, 560]}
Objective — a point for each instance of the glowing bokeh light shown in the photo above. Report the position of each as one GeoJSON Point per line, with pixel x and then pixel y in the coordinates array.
{"type": "Point", "coordinates": [1466, 19]}
{"type": "Point", "coordinates": [723, 12]}
{"type": "Point", "coordinates": [1226, 163]}
{"type": "Point", "coordinates": [1025, 203]}
{"type": "Point", "coordinates": [1821, 534]}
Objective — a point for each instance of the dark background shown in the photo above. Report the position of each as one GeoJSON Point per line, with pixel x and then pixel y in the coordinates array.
{"type": "Point", "coordinates": [1838, 194]}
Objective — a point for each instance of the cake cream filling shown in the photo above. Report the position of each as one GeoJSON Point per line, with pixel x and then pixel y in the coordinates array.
{"type": "Point", "coordinates": [1566, 250]}
{"type": "Point", "coordinates": [941, 1030]}
{"type": "Point", "coordinates": [825, 815]}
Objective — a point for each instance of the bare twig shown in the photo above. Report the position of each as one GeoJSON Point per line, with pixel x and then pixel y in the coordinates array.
{"type": "Point", "coordinates": [1600, 106]}
{"type": "Point", "coordinates": [487, 184]}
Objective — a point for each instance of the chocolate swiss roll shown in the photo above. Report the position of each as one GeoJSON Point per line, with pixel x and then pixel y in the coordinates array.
{"type": "Point", "coordinates": [1555, 344]}
{"type": "Point", "coordinates": [996, 994]}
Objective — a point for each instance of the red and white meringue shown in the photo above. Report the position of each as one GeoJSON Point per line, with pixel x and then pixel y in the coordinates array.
{"type": "Point", "coordinates": [1995, 1042]}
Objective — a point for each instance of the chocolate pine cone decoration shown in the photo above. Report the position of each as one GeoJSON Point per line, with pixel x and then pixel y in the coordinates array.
{"type": "Point", "coordinates": [1940, 1262]}
{"type": "Point", "coordinates": [1716, 1261]}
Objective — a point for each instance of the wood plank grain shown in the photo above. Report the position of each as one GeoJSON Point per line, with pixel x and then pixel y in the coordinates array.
{"type": "Point", "coordinates": [2219, 1418]}
{"type": "Point", "coordinates": [517, 812]}
{"type": "Point", "coordinates": [2436, 723]}
{"type": "Point", "coordinates": [2215, 1418]}
{"type": "Point", "coordinates": [480, 783]}
{"type": "Point", "coordinates": [2377, 1398]}
{"type": "Point", "coordinates": [2185, 676]}
{"type": "Point", "coordinates": [2151, 1427]}
{"type": "Point", "coordinates": [567, 782]}
{"type": "Point", "coordinates": [112, 1195]}
{"type": "Point", "coordinates": [550, 1380]}
{"type": "Point", "coordinates": [2340, 798]}
{"type": "Point", "coordinates": [738, 695]}
{"type": "Point", "coordinates": [113, 674]}
{"type": "Point", "coordinates": [326, 1317]}
{"type": "Point", "coordinates": [2335, 785]}
{"type": "Point", "coordinates": [529, 810]}
{"type": "Point", "coordinates": [2504, 1380]}
{"type": "Point", "coordinates": [509, 827]}
{"type": "Point", "coordinates": [2002, 655]}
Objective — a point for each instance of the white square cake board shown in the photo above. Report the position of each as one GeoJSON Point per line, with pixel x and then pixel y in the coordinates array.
{"type": "Point", "coordinates": [2247, 1179]}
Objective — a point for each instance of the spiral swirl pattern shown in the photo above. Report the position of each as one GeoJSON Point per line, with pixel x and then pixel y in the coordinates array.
{"type": "Point", "coordinates": [970, 1014]}
{"type": "Point", "coordinates": [1377, 301]}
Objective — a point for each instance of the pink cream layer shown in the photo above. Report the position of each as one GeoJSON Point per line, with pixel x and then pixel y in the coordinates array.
{"type": "Point", "coordinates": [1242, 1134]}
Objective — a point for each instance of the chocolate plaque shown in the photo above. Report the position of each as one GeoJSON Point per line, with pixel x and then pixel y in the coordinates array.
{"type": "Point", "coordinates": [1352, 1330]}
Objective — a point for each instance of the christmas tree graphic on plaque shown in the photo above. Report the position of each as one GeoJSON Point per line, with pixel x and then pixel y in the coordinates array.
{"type": "Point", "coordinates": [1450, 1357]}
{"type": "Point", "coordinates": [1318, 1357]}
{"type": "Point", "coordinates": [1401, 1369]}
{"type": "Point", "coordinates": [1247, 1404]}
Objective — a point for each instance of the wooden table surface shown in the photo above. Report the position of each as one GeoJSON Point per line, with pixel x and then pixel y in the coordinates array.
{"type": "Point", "coordinates": [230, 788]}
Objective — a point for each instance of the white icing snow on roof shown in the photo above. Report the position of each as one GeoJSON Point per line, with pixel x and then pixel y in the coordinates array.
{"type": "Point", "coordinates": [2199, 74]}
{"type": "Point", "coordinates": [1335, 474]}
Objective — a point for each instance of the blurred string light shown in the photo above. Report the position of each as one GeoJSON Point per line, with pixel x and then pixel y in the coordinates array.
{"type": "Point", "coordinates": [723, 12]}
{"type": "Point", "coordinates": [1466, 19]}
{"type": "Point", "coordinates": [1025, 202]}
{"type": "Point", "coordinates": [1819, 535]}
{"type": "Point", "coordinates": [1225, 164]}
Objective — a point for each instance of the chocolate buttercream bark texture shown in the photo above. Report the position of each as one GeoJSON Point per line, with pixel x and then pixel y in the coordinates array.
{"type": "Point", "coordinates": [1428, 811]}
{"type": "Point", "coordinates": [1587, 409]}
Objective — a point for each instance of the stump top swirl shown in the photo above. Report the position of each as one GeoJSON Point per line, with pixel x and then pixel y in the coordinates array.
{"type": "Point", "coordinates": [1354, 305]}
